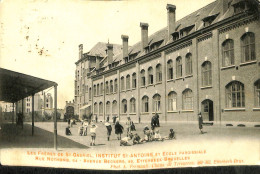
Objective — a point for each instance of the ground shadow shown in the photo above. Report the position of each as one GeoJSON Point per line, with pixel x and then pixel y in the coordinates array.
{"type": "Point", "coordinates": [12, 136]}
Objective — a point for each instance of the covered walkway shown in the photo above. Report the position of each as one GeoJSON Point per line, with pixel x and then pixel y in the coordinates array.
{"type": "Point", "coordinates": [15, 86]}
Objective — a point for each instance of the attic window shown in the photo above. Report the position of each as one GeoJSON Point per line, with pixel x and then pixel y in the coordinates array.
{"type": "Point", "coordinates": [185, 31]}
{"type": "Point", "coordinates": [175, 36]}
{"type": "Point", "coordinates": [209, 19]}
{"type": "Point", "coordinates": [239, 7]}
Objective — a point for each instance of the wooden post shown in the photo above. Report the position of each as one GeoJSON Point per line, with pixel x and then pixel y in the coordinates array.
{"type": "Point", "coordinates": [55, 117]}
{"type": "Point", "coordinates": [32, 114]}
{"type": "Point", "coordinates": [13, 114]}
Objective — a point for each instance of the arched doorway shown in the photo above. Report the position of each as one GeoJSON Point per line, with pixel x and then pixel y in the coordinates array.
{"type": "Point", "coordinates": [207, 110]}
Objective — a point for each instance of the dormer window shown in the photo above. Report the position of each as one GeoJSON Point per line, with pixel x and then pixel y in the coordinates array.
{"type": "Point", "coordinates": [175, 36]}
{"type": "Point", "coordinates": [239, 6]}
{"type": "Point", "coordinates": [185, 31]}
{"type": "Point", "coordinates": [209, 19]}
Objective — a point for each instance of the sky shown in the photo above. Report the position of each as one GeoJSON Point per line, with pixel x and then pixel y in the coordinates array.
{"type": "Point", "coordinates": [41, 37]}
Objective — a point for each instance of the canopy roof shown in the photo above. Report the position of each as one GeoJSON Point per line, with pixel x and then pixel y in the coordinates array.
{"type": "Point", "coordinates": [15, 86]}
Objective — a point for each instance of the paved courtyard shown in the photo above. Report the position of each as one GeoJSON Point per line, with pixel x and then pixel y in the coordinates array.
{"type": "Point", "coordinates": [184, 132]}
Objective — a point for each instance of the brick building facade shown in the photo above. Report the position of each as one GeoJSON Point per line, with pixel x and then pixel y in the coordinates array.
{"type": "Point", "coordinates": [208, 62]}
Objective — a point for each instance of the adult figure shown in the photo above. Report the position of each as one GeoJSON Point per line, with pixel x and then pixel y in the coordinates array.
{"type": "Point", "coordinates": [155, 121]}
{"type": "Point", "coordinates": [129, 124]}
{"type": "Point", "coordinates": [118, 130]}
{"type": "Point", "coordinates": [200, 123]}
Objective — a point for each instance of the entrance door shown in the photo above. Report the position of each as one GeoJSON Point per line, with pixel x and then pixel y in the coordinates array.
{"type": "Point", "coordinates": [207, 110]}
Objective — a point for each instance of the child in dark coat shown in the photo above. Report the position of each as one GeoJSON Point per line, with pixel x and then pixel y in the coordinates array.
{"type": "Point", "coordinates": [109, 129]}
{"type": "Point", "coordinates": [118, 130]}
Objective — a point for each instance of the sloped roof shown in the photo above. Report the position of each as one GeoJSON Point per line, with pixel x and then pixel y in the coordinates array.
{"type": "Point", "coordinates": [100, 49]}
{"type": "Point", "coordinates": [16, 86]}
{"type": "Point", "coordinates": [194, 19]}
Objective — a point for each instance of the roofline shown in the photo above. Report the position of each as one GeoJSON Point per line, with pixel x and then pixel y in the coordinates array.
{"type": "Point", "coordinates": [181, 40]}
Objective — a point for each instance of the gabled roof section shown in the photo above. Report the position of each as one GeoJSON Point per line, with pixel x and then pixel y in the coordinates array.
{"type": "Point", "coordinates": [101, 47]}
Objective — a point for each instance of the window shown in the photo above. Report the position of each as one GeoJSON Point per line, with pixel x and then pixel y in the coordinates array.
{"type": "Point", "coordinates": [235, 96]}
{"type": "Point", "coordinates": [172, 101]}
{"type": "Point", "coordinates": [150, 75]}
{"type": "Point", "coordinates": [228, 53]}
{"type": "Point", "coordinates": [206, 74]}
{"type": "Point", "coordinates": [143, 77]}
{"type": "Point", "coordinates": [239, 7]}
{"type": "Point", "coordinates": [100, 108]}
{"type": "Point", "coordinates": [248, 47]}
{"type": "Point", "coordinates": [107, 87]}
{"type": "Point", "coordinates": [114, 107]}
{"type": "Point", "coordinates": [122, 83]}
{"type": "Point", "coordinates": [158, 73]}
{"type": "Point", "coordinates": [257, 93]}
{"type": "Point", "coordinates": [124, 106]}
{"type": "Point", "coordinates": [178, 67]}
{"type": "Point", "coordinates": [156, 103]}
{"type": "Point", "coordinates": [128, 82]}
{"type": "Point", "coordinates": [188, 66]}
{"type": "Point", "coordinates": [111, 86]}
{"type": "Point", "coordinates": [134, 80]}
{"type": "Point", "coordinates": [115, 85]}
{"type": "Point", "coordinates": [95, 108]}
{"type": "Point", "coordinates": [95, 90]}
{"type": "Point", "coordinates": [145, 104]}
{"type": "Point", "coordinates": [90, 93]}
{"type": "Point", "coordinates": [170, 69]}
{"type": "Point", "coordinates": [132, 105]}
{"type": "Point", "coordinates": [108, 108]}
{"type": "Point", "coordinates": [98, 89]}
{"type": "Point", "coordinates": [101, 89]}
{"type": "Point", "coordinates": [187, 99]}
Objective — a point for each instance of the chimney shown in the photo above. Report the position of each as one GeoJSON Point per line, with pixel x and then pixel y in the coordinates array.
{"type": "Point", "coordinates": [109, 53]}
{"type": "Point", "coordinates": [171, 19]}
{"type": "Point", "coordinates": [223, 6]}
{"type": "Point", "coordinates": [125, 45]}
{"type": "Point", "coordinates": [97, 62]}
{"type": "Point", "coordinates": [80, 51]}
{"type": "Point", "coordinates": [144, 35]}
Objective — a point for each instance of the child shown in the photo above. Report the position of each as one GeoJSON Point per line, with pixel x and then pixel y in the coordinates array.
{"type": "Point", "coordinates": [80, 131]}
{"type": "Point", "coordinates": [129, 124]}
{"type": "Point", "coordinates": [147, 133]}
{"type": "Point", "coordinates": [125, 141]}
{"type": "Point", "coordinates": [85, 126]}
{"type": "Point", "coordinates": [200, 123]}
{"type": "Point", "coordinates": [93, 134]}
{"type": "Point", "coordinates": [67, 132]}
{"type": "Point", "coordinates": [118, 130]}
{"type": "Point", "coordinates": [109, 129]}
{"type": "Point", "coordinates": [137, 139]}
{"type": "Point", "coordinates": [157, 136]}
{"type": "Point", "coordinates": [171, 135]}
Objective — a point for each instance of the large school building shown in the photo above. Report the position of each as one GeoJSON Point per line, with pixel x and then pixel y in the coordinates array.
{"type": "Point", "coordinates": [208, 62]}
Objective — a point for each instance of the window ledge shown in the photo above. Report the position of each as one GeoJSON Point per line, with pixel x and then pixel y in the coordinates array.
{"type": "Point", "coordinates": [172, 111]}
{"type": "Point", "coordinates": [156, 112]}
{"type": "Point", "coordinates": [133, 88]}
{"type": "Point", "coordinates": [144, 113]}
{"type": "Point", "coordinates": [227, 67]}
{"type": "Point", "coordinates": [170, 80]}
{"type": "Point", "coordinates": [123, 114]}
{"type": "Point", "coordinates": [189, 76]}
{"type": "Point", "coordinates": [179, 78]}
{"type": "Point", "coordinates": [256, 109]}
{"type": "Point", "coordinates": [248, 63]}
{"type": "Point", "coordinates": [132, 114]}
{"type": "Point", "coordinates": [128, 90]}
{"type": "Point", "coordinates": [149, 85]}
{"type": "Point", "coordinates": [205, 87]}
{"type": "Point", "coordinates": [187, 111]}
{"type": "Point", "coordinates": [142, 86]}
{"type": "Point", "coordinates": [235, 109]}
{"type": "Point", "coordinates": [122, 90]}
{"type": "Point", "coordinates": [158, 83]}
